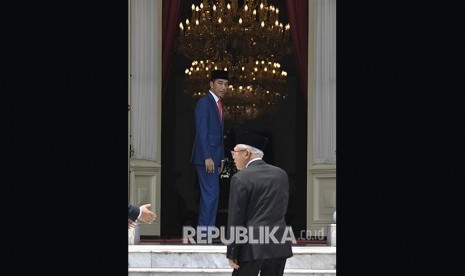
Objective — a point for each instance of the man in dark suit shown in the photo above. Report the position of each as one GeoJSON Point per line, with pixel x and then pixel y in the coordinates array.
{"type": "Point", "coordinates": [258, 199]}
{"type": "Point", "coordinates": [208, 150]}
{"type": "Point", "coordinates": [141, 213]}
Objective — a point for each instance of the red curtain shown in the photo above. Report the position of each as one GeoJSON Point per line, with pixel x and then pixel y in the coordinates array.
{"type": "Point", "coordinates": [298, 18]}
{"type": "Point", "coordinates": [170, 21]}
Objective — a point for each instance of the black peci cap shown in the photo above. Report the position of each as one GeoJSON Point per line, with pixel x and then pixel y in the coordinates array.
{"type": "Point", "coordinates": [219, 74]}
{"type": "Point", "coordinates": [251, 139]}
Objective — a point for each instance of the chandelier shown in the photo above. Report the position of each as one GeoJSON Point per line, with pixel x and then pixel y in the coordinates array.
{"type": "Point", "coordinates": [246, 41]}
{"type": "Point", "coordinates": [256, 86]}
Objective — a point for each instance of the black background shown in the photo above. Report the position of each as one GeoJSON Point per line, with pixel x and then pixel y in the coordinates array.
{"type": "Point", "coordinates": [400, 149]}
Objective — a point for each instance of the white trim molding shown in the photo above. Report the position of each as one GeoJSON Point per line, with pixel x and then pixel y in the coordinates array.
{"type": "Point", "coordinates": [321, 196]}
{"type": "Point", "coordinates": [145, 179]}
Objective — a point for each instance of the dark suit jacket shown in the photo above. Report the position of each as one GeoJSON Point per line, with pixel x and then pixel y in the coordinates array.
{"type": "Point", "coordinates": [209, 141]}
{"type": "Point", "coordinates": [259, 196]}
{"type": "Point", "coordinates": [133, 212]}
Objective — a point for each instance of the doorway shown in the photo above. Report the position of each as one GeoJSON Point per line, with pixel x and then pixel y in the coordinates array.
{"type": "Point", "coordinates": [287, 147]}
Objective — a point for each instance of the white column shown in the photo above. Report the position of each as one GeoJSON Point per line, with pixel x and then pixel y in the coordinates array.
{"type": "Point", "coordinates": [324, 101]}
{"type": "Point", "coordinates": [321, 158]}
{"type": "Point", "coordinates": [145, 78]}
{"type": "Point", "coordinates": [145, 93]}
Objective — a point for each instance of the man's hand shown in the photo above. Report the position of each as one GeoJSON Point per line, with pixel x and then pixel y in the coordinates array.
{"type": "Point", "coordinates": [222, 166]}
{"type": "Point", "coordinates": [131, 223]}
{"type": "Point", "coordinates": [233, 264]}
{"type": "Point", "coordinates": [146, 215]}
{"type": "Point", "coordinates": [209, 165]}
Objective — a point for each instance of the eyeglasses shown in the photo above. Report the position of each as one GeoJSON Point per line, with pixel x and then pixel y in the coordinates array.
{"type": "Point", "coordinates": [234, 151]}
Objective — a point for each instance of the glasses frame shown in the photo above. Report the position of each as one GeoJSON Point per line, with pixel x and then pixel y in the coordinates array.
{"type": "Point", "coordinates": [234, 151]}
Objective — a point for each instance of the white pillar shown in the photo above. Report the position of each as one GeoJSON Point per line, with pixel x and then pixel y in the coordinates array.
{"type": "Point", "coordinates": [324, 100]}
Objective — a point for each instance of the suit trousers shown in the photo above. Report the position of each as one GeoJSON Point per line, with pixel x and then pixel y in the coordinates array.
{"type": "Point", "coordinates": [266, 267]}
{"type": "Point", "coordinates": [209, 196]}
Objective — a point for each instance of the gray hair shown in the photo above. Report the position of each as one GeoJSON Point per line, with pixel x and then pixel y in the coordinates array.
{"type": "Point", "coordinates": [254, 151]}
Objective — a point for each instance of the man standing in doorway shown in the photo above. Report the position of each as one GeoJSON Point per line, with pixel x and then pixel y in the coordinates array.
{"type": "Point", "coordinates": [208, 150]}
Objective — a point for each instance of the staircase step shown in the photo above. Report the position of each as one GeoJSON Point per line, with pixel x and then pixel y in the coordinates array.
{"type": "Point", "coordinates": [219, 272]}
{"type": "Point", "coordinates": [211, 260]}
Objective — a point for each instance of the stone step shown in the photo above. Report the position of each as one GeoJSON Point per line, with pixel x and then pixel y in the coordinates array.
{"type": "Point", "coordinates": [219, 272]}
{"type": "Point", "coordinates": [211, 260]}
